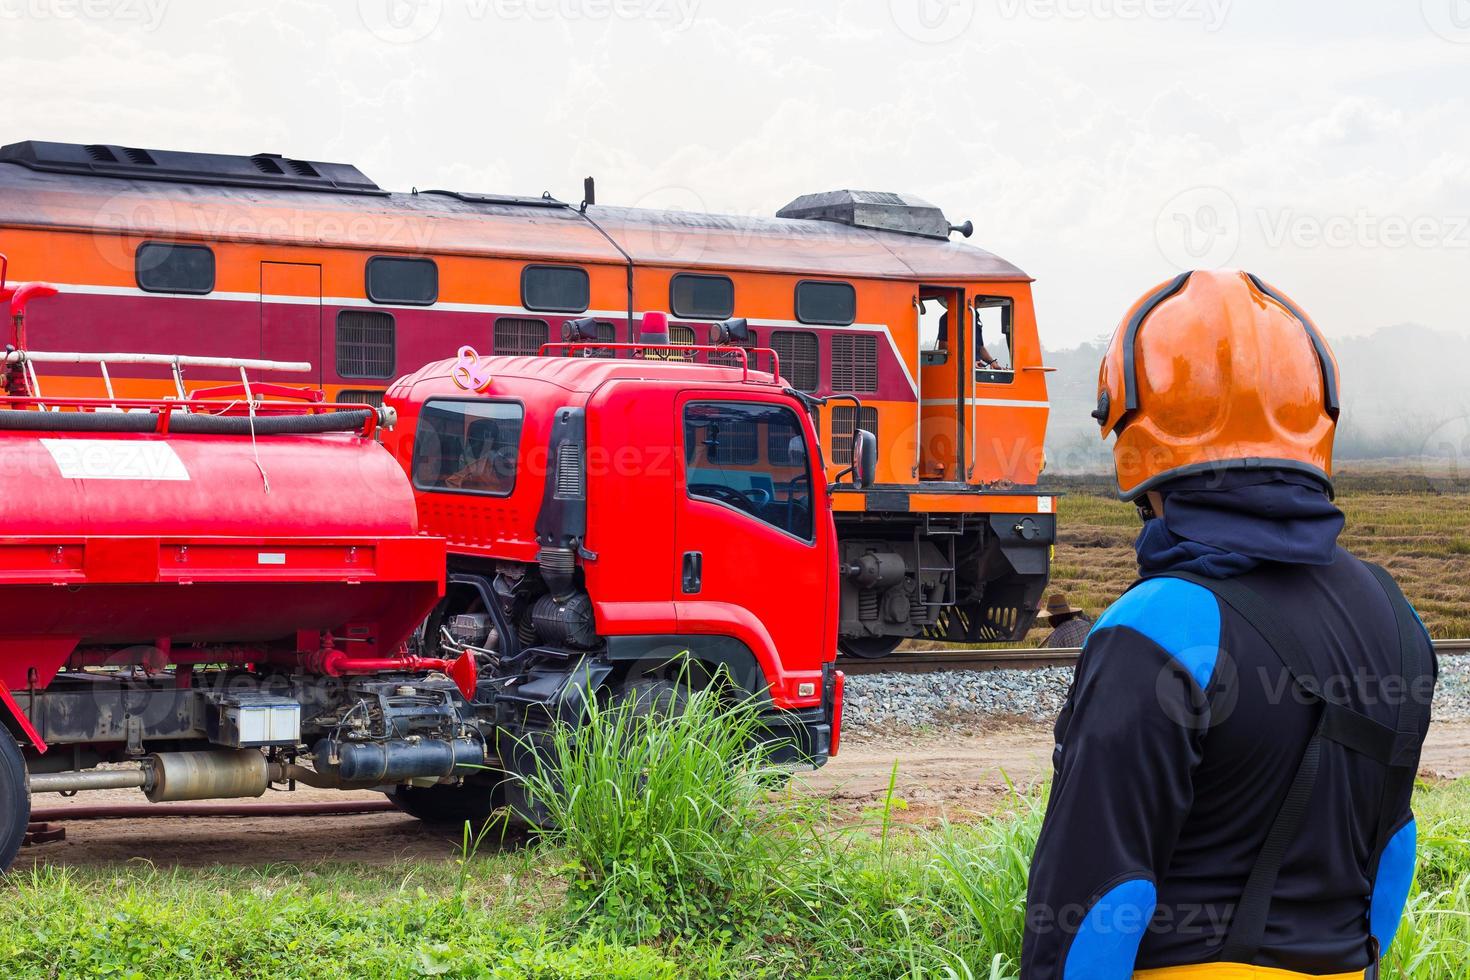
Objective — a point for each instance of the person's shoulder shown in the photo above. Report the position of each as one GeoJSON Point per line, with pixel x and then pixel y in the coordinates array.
{"type": "Point", "coordinates": [1179, 617]}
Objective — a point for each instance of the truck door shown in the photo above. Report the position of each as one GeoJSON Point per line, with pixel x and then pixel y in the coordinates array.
{"type": "Point", "coordinates": [751, 554]}
{"type": "Point", "coordinates": [291, 318]}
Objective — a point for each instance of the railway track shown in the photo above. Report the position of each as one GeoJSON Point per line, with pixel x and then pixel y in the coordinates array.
{"type": "Point", "coordinates": [1019, 658]}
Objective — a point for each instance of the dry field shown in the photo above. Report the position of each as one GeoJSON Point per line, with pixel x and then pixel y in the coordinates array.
{"type": "Point", "coordinates": [1420, 533]}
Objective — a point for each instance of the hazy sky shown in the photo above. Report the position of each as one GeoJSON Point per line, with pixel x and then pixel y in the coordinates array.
{"type": "Point", "coordinates": [1099, 144]}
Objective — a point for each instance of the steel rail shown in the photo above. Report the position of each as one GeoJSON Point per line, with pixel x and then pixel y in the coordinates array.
{"type": "Point", "coordinates": [1017, 658]}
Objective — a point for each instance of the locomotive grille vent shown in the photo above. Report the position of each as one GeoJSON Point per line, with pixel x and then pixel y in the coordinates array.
{"type": "Point", "coordinates": [361, 396]}
{"type": "Point", "coordinates": [570, 473]}
{"type": "Point", "coordinates": [681, 335]}
{"type": "Point", "coordinates": [518, 335]}
{"type": "Point", "coordinates": [843, 417]}
{"type": "Point", "coordinates": [854, 362]}
{"type": "Point", "coordinates": [797, 350]}
{"type": "Point", "coordinates": [365, 344]}
{"type": "Point", "coordinates": [732, 359]}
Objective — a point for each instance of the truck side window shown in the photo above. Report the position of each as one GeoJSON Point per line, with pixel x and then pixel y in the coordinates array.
{"type": "Point", "coordinates": [753, 458]}
{"type": "Point", "coordinates": [467, 446]}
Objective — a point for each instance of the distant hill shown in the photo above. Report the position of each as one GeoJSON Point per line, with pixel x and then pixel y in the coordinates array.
{"type": "Point", "coordinates": [1406, 396]}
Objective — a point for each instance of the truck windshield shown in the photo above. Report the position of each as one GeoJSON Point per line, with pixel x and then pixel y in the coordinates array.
{"type": "Point", "coordinates": [467, 446]}
{"type": "Point", "coordinates": [752, 457]}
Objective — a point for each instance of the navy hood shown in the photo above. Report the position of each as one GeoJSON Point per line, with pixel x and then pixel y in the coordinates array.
{"type": "Point", "coordinates": [1226, 524]}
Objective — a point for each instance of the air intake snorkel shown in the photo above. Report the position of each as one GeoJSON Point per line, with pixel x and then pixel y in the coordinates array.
{"type": "Point", "coordinates": [562, 521]}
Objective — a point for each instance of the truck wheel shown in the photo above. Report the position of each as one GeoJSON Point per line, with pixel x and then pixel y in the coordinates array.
{"type": "Point", "coordinates": [15, 799]}
{"type": "Point", "coordinates": [868, 647]}
{"type": "Point", "coordinates": [472, 801]}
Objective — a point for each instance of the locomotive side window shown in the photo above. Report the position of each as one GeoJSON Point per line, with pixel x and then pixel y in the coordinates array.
{"type": "Point", "coordinates": [406, 282]}
{"type": "Point", "coordinates": [831, 303]}
{"type": "Point", "coordinates": [855, 362]}
{"type": "Point", "coordinates": [365, 344]}
{"type": "Point", "coordinates": [555, 288]}
{"type": "Point", "coordinates": [994, 340]}
{"type": "Point", "coordinates": [701, 297]}
{"type": "Point", "coordinates": [797, 351]}
{"type": "Point", "coordinates": [519, 335]}
{"type": "Point", "coordinates": [167, 267]}
{"type": "Point", "coordinates": [722, 447]}
{"type": "Point", "coordinates": [467, 446]}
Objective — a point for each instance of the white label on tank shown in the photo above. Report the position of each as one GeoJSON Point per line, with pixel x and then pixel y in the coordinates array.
{"type": "Point", "coordinates": [115, 459]}
{"type": "Point", "coordinates": [270, 558]}
{"type": "Point", "coordinates": [1043, 505]}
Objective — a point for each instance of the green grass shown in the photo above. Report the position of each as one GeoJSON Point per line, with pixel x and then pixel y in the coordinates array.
{"type": "Point", "coordinates": [686, 864]}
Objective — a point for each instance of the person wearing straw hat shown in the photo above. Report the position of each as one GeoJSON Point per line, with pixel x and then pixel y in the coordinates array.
{"type": "Point", "coordinates": [1235, 761]}
{"type": "Point", "coordinates": [1069, 624]}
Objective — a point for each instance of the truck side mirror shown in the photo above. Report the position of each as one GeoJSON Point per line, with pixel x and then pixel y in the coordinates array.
{"type": "Point", "coordinates": [864, 458]}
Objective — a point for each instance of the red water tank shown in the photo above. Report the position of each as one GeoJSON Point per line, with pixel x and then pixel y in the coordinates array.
{"type": "Point", "coordinates": [117, 538]}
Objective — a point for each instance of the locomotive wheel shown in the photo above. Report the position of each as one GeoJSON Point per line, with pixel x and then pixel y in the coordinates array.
{"type": "Point", "coordinates": [15, 799]}
{"type": "Point", "coordinates": [472, 801]}
{"type": "Point", "coordinates": [868, 647]}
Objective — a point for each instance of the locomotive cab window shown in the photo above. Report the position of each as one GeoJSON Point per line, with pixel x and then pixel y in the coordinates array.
{"type": "Point", "coordinates": [405, 282]}
{"type": "Point", "coordinates": [166, 267]}
{"type": "Point", "coordinates": [701, 297]}
{"type": "Point", "coordinates": [934, 320]}
{"type": "Point", "coordinates": [833, 304]}
{"type": "Point", "coordinates": [555, 288]}
{"type": "Point", "coordinates": [467, 447]}
{"type": "Point", "coordinates": [994, 340]}
{"type": "Point", "coordinates": [752, 458]}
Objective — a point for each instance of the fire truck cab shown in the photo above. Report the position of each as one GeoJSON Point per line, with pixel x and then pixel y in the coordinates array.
{"type": "Point", "coordinates": [618, 522]}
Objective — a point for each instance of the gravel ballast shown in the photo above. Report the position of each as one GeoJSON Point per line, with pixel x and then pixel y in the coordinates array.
{"type": "Point", "coordinates": [957, 700]}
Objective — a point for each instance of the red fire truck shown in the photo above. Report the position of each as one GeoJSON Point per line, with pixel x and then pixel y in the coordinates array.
{"type": "Point", "coordinates": [239, 588]}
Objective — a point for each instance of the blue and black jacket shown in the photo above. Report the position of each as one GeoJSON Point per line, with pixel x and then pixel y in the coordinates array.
{"type": "Point", "coordinates": [1180, 752]}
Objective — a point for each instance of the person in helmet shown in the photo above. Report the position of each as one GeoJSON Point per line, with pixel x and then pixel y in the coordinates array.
{"type": "Point", "coordinates": [1235, 759]}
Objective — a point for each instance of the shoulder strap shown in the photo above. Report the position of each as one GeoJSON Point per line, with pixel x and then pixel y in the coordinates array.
{"type": "Point", "coordinates": [1338, 722]}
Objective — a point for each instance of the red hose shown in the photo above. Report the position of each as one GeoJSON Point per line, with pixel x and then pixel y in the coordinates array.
{"type": "Point", "coordinates": [152, 811]}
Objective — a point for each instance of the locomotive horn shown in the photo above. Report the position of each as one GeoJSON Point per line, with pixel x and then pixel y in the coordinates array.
{"type": "Point", "coordinates": [967, 229]}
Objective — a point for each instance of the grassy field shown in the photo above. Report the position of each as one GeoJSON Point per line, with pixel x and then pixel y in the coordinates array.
{"type": "Point", "coordinates": [1422, 537]}
{"type": "Point", "coordinates": [702, 870]}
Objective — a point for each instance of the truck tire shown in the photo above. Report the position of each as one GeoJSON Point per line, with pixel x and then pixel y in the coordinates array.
{"type": "Point", "coordinates": [15, 799]}
{"type": "Point", "coordinates": [473, 801]}
{"type": "Point", "coordinates": [868, 647]}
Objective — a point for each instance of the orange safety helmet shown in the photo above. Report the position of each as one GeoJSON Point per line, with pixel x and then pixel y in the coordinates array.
{"type": "Point", "coordinates": [1216, 371]}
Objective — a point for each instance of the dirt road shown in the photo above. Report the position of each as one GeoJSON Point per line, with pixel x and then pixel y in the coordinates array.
{"type": "Point", "coordinates": [954, 775]}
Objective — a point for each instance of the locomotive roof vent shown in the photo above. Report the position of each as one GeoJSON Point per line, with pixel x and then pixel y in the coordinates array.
{"type": "Point", "coordinates": [261, 170]}
{"type": "Point", "coordinates": [876, 210]}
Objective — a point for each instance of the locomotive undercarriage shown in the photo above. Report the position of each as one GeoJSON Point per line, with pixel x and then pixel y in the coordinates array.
{"type": "Point", "coordinates": [956, 578]}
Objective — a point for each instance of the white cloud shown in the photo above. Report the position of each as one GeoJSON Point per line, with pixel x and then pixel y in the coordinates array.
{"type": "Point", "coordinates": [1061, 135]}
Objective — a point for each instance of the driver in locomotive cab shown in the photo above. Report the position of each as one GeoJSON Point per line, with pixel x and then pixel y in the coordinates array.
{"type": "Point", "coordinates": [1235, 760]}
